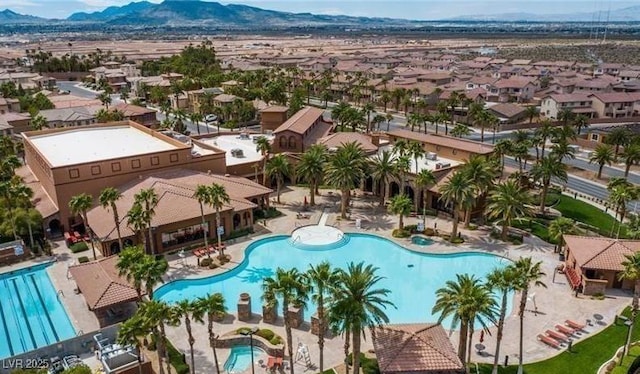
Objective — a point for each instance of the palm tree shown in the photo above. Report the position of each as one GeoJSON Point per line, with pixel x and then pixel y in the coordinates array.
{"type": "Point", "coordinates": [503, 148]}
{"type": "Point", "coordinates": [202, 194]}
{"type": "Point", "coordinates": [504, 281]}
{"type": "Point", "coordinates": [105, 99]}
{"type": "Point", "coordinates": [389, 118]}
{"type": "Point", "coordinates": [415, 151]}
{"type": "Point", "coordinates": [376, 121]}
{"type": "Point", "coordinates": [359, 304]}
{"type": "Point", "coordinates": [507, 202]}
{"type": "Point", "coordinates": [218, 198]}
{"type": "Point", "coordinates": [128, 264]}
{"type": "Point", "coordinates": [544, 132]}
{"type": "Point", "coordinates": [158, 314]}
{"type": "Point", "coordinates": [21, 194]}
{"type": "Point", "coordinates": [311, 168]}
{"type": "Point", "coordinates": [543, 171]}
{"type": "Point", "coordinates": [321, 279]}
{"type": "Point", "coordinates": [382, 170]}
{"type": "Point", "coordinates": [151, 271]}
{"type": "Point", "coordinates": [631, 156]}
{"type": "Point", "coordinates": [344, 170]}
{"type": "Point", "coordinates": [137, 221]}
{"type": "Point", "coordinates": [531, 111]}
{"type": "Point", "coordinates": [291, 287]}
{"type": "Point", "coordinates": [338, 111]}
{"type": "Point", "coordinates": [480, 174]}
{"type": "Point", "coordinates": [278, 168]}
{"type": "Point", "coordinates": [80, 204]}
{"type": "Point", "coordinates": [264, 147]}
{"type": "Point", "coordinates": [424, 178]}
{"type": "Point", "coordinates": [460, 130]}
{"type": "Point", "coordinates": [38, 122]}
{"type": "Point", "coordinates": [560, 227]}
{"type": "Point", "coordinates": [619, 136]}
{"type": "Point", "coordinates": [108, 198]}
{"type": "Point", "coordinates": [581, 122]}
{"type": "Point", "coordinates": [455, 192]}
{"type": "Point", "coordinates": [620, 196]}
{"type": "Point", "coordinates": [527, 273]}
{"type": "Point", "coordinates": [401, 205]}
{"type": "Point", "coordinates": [187, 310]}
{"type": "Point", "coordinates": [368, 109]}
{"type": "Point", "coordinates": [213, 306]}
{"type": "Point", "coordinates": [148, 199]}
{"type": "Point", "coordinates": [195, 118]}
{"type": "Point", "coordinates": [632, 272]}
{"type": "Point", "coordinates": [130, 333]}
{"type": "Point", "coordinates": [603, 154]}
{"type": "Point", "coordinates": [561, 150]}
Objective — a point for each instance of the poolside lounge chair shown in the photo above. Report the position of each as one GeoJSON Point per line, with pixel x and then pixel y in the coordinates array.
{"type": "Point", "coordinates": [557, 335]}
{"type": "Point", "coordinates": [565, 330]}
{"type": "Point", "coordinates": [549, 341]}
{"type": "Point", "coordinates": [574, 325]}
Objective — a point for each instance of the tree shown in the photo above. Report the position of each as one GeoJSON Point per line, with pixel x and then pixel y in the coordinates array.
{"type": "Point", "coordinates": [321, 279]}
{"type": "Point", "coordinates": [213, 306]}
{"type": "Point", "coordinates": [264, 147]}
{"type": "Point", "coordinates": [631, 156]}
{"type": "Point", "coordinates": [368, 109]}
{"type": "Point", "coordinates": [218, 198]}
{"type": "Point", "coordinates": [503, 147]}
{"type": "Point", "coordinates": [560, 227]}
{"type": "Point", "coordinates": [130, 333]}
{"type": "Point", "coordinates": [105, 99]}
{"type": "Point", "coordinates": [528, 273]}
{"type": "Point", "coordinates": [543, 132]}
{"type": "Point", "coordinates": [128, 266]}
{"type": "Point", "coordinates": [603, 154]}
{"type": "Point", "coordinates": [158, 314]}
{"type": "Point", "coordinates": [464, 300]}
{"type": "Point", "coordinates": [188, 310]}
{"type": "Point", "coordinates": [376, 121]}
{"type": "Point", "coordinates": [415, 151]}
{"type": "Point", "coordinates": [338, 111]}
{"type": "Point", "coordinates": [619, 136]}
{"type": "Point", "coordinates": [581, 122]}
{"type": "Point", "coordinates": [38, 122]}
{"type": "Point", "coordinates": [389, 118]}
{"type": "Point", "coordinates": [291, 287]}
{"type": "Point", "coordinates": [278, 168]}
{"type": "Point", "coordinates": [80, 204]}
{"type": "Point", "coordinates": [423, 179]}
{"type": "Point", "coordinates": [504, 281]}
{"type": "Point", "coordinates": [620, 196]}
{"type": "Point", "coordinates": [358, 304]}
{"type": "Point", "coordinates": [480, 174]}
{"type": "Point", "coordinates": [345, 168]}
{"type": "Point", "coordinates": [148, 199]}
{"type": "Point", "coordinates": [543, 171]}
{"type": "Point", "coordinates": [108, 198]}
{"type": "Point", "coordinates": [203, 195]}
{"type": "Point", "coordinates": [460, 130]}
{"type": "Point", "coordinates": [196, 118]}
{"type": "Point", "coordinates": [565, 116]}
{"type": "Point", "coordinates": [532, 112]}
{"type": "Point", "coordinates": [311, 168]}
{"type": "Point", "coordinates": [455, 192]}
{"type": "Point", "coordinates": [137, 221]}
{"type": "Point", "coordinates": [382, 170]}
{"type": "Point", "coordinates": [401, 205]}
{"type": "Point", "coordinates": [507, 202]}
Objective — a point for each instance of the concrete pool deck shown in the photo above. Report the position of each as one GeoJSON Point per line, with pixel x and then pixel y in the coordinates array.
{"type": "Point", "coordinates": [554, 304]}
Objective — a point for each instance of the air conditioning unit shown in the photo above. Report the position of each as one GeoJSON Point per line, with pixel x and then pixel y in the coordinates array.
{"type": "Point", "coordinates": [431, 156]}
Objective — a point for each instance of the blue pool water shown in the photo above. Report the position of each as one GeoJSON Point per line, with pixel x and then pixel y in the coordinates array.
{"type": "Point", "coordinates": [412, 277]}
{"type": "Point", "coordinates": [31, 316]}
{"type": "Point", "coordinates": [419, 240]}
{"type": "Point", "coordinates": [240, 358]}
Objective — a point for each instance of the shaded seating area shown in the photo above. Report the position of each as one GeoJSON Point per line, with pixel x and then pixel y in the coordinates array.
{"type": "Point", "coordinates": [202, 251]}
{"type": "Point", "coordinates": [110, 296]}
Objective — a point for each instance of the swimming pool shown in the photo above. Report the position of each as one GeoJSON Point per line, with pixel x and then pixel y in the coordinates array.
{"type": "Point", "coordinates": [412, 277]}
{"type": "Point", "coordinates": [420, 240]}
{"type": "Point", "coordinates": [31, 315]}
{"type": "Point", "coordinates": [240, 358]}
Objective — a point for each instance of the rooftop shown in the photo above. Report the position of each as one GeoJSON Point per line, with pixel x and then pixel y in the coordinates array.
{"type": "Point", "coordinates": [96, 143]}
{"type": "Point", "coordinates": [445, 141]}
{"type": "Point", "coordinates": [243, 142]}
{"type": "Point", "coordinates": [302, 120]}
{"type": "Point", "coordinates": [600, 253]}
{"type": "Point", "coordinates": [429, 161]}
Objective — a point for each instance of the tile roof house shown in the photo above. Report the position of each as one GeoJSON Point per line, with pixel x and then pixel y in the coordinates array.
{"type": "Point", "coordinates": [417, 349]}
{"type": "Point", "coordinates": [338, 139]}
{"type": "Point", "coordinates": [508, 113]}
{"type": "Point", "coordinates": [594, 263]}
{"type": "Point", "coordinates": [301, 130]}
{"type": "Point", "coordinates": [579, 103]}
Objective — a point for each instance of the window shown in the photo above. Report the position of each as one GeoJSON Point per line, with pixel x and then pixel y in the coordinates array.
{"type": "Point", "coordinates": [595, 137]}
{"type": "Point", "coordinates": [155, 160]}
{"type": "Point", "coordinates": [283, 142]}
{"type": "Point", "coordinates": [135, 164]}
{"type": "Point", "coordinates": [115, 167]}
{"type": "Point", "coordinates": [292, 142]}
{"type": "Point", "coordinates": [455, 151]}
{"type": "Point", "coordinates": [184, 235]}
{"type": "Point", "coordinates": [74, 173]}
{"type": "Point", "coordinates": [95, 170]}
{"type": "Point", "coordinates": [173, 157]}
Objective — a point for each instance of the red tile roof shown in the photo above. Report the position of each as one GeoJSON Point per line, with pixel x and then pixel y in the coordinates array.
{"type": "Point", "coordinates": [301, 121]}
{"type": "Point", "coordinates": [600, 253]}
{"type": "Point", "coordinates": [415, 348]}
{"type": "Point", "coordinates": [445, 141]}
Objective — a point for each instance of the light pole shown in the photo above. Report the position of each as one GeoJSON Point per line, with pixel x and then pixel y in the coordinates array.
{"type": "Point", "coordinates": [253, 330]}
{"type": "Point", "coordinates": [627, 323]}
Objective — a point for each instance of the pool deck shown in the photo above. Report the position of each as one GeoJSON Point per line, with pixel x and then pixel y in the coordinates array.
{"type": "Point", "coordinates": [554, 304]}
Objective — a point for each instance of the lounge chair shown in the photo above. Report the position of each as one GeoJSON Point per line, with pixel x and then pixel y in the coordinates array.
{"type": "Point", "coordinates": [574, 325]}
{"type": "Point", "coordinates": [549, 341]}
{"type": "Point", "coordinates": [565, 330]}
{"type": "Point", "coordinates": [557, 335]}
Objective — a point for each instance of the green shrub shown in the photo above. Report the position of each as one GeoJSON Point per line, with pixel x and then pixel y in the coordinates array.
{"type": "Point", "coordinates": [411, 228]}
{"type": "Point", "coordinates": [243, 330]}
{"type": "Point", "coordinates": [457, 240]}
{"type": "Point", "coordinates": [429, 231]}
{"type": "Point", "coordinates": [83, 259]}
{"type": "Point", "coordinates": [213, 265]}
{"type": "Point", "coordinates": [350, 359]}
{"type": "Point", "coordinates": [80, 369]}
{"type": "Point", "coordinates": [431, 212]}
{"type": "Point", "coordinates": [271, 212]}
{"type": "Point", "coordinates": [276, 340]}
{"type": "Point", "coordinates": [370, 366]}
{"type": "Point", "coordinates": [634, 366]}
{"type": "Point", "coordinates": [397, 233]}
{"type": "Point", "coordinates": [266, 333]}
{"type": "Point", "coordinates": [79, 247]}
{"type": "Point", "coordinates": [205, 262]}
{"type": "Point", "coordinates": [239, 233]}
{"type": "Point", "coordinates": [177, 359]}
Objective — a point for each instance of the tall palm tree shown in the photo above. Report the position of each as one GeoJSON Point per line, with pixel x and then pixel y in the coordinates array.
{"type": "Point", "coordinates": [531, 111]}
{"type": "Point", "coordinates": [560, 227]}
{"type": "Point", "coordinates": [108, 198]}
{"type": "Point", "coordinates": [528, 273]}
{"type": "Point", "coordinates": [212, 305]}
{"type": "Point", "coordinates": [202, 194]}
{"type": "Point", "coordinates": [130, 333]}
{"type": "Point", "coordinates": [382, 170]}
{"type": "Point", "coordinates": [21, 194]}
{"type": "Point", "coordinates": [631, 156]}
{"type": "Point", "coordinates": [401, 205]}
{"type": "Point", "coordinates": [151, 270]}
{"type": "Point", "coordinates": [620, 196]}
{"type": "Point", "coordinates": [189, 310]}
{"type": "Point", "coordinates": [543, 171]}
{"type": "Point", "coordinates": [80, 204]}
{"type": "Point", "coordinates": [424, 179]}
{"type": "Point", "coordinates": [128, 264]}
{"type": "Point", "coordinates": [619, 136]}
{"type": "Point", "coordinates": [507, 202]}
{"type": "Point", "coordinates": [455, 192]}
{"type": "Point", "coordinates": [218, 198]}
{"type": "Point", "coordinates": [403, 167]}
{"type": "Point", "coordinates": [503, 147]}
{"type": "Point", "coordinates": [148, 199]}
{"type": "Point", "coordinates": [415, 151]}
{"type": "Point", "coordinates": [503, 281]}
{"type": "Point", "coordinates": [321, 279]}
{"type": "Point", "coordinates": [344, 170]}
{"type": "Point", "coordinates": [581, 122]}
{"type": "Point", "coordinates": [137, 221]}
{"type": "Point", "coordinates": [264, 147]}
{"type": "Point", "coordinates": [291, 287]}
{"type": "Point", "coordinates": [278, 168]}
{"type": "Point", "coordinates": [360, 303]}
{"type": "Point", "coordinates": [544, 132]}
{"type": "Point", "coordinates": [311, 168]}
{"type": "Point", "coordinates": [480, 174]}
{"type": "Point", "coordinates": [158, 314]}
{"type": "Point", "coordinates": [603, 154]}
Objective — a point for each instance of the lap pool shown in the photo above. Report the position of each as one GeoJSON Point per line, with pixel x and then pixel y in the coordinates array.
{"type": "Point", "coordinates": [31, 315]}
{"type": "Point", "coordinates": [412, 277]}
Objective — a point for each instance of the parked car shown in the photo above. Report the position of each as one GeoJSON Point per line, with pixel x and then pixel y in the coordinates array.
{"type": "Point", "coordinates": [210, 118]}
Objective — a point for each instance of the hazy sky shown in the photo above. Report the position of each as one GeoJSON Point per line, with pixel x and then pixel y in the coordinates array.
{"type": "Point", "coordinates": [409, 9]}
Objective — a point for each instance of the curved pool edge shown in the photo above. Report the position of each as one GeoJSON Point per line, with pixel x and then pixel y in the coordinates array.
{"type": "Point", "coordinates": [243, 261]}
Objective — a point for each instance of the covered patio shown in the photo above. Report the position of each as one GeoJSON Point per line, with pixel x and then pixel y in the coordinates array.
{"type": "Point", "coordinates": [110, 296]}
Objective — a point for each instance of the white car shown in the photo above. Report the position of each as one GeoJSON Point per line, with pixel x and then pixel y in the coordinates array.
{"type": "Point", "coordinates": [210, 118]}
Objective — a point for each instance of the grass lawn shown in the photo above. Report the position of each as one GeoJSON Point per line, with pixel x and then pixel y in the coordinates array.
{"type": "Point", "coordinates": [634, 352]}
{"type": "Point", "coordinates": [586, 356]}
{"type": "Point", "coordinates": [588, 214]}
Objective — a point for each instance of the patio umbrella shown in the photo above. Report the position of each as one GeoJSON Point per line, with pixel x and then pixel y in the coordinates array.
{"type": "Point", "coordinates": [482, 336]}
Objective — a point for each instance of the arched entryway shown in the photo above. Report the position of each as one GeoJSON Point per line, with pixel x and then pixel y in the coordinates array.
{"type": "Point", "coordinates": [236, 221]}
{"type": "Point", "coordinates": [114, 248]}
{"type": "Point", "coordinates": [55, 228]}
{"type": "Point", "coordinates": [127, 243]}
{"type": "Point", "coordinates": [394, 189]}
{"type": "Point", "coordinates": [408, 191]}
{"type": "Point", "coordinates": [247, 219]}
{"type": "Point", "coordinates": [368, 184]}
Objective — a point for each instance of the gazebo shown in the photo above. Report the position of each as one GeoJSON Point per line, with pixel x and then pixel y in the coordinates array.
{"type": "Point", "coordinates": [417, 349]}
{"type": "Point", "coordinates": [104, 290]}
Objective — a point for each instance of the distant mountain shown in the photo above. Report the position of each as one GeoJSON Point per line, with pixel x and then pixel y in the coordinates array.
{"type": "Point", "coordinates": [9, 16]}
{"type": "Point", "coordinates": [205, 13]}
{"type": "Point", "coordinates": [630, 14]}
